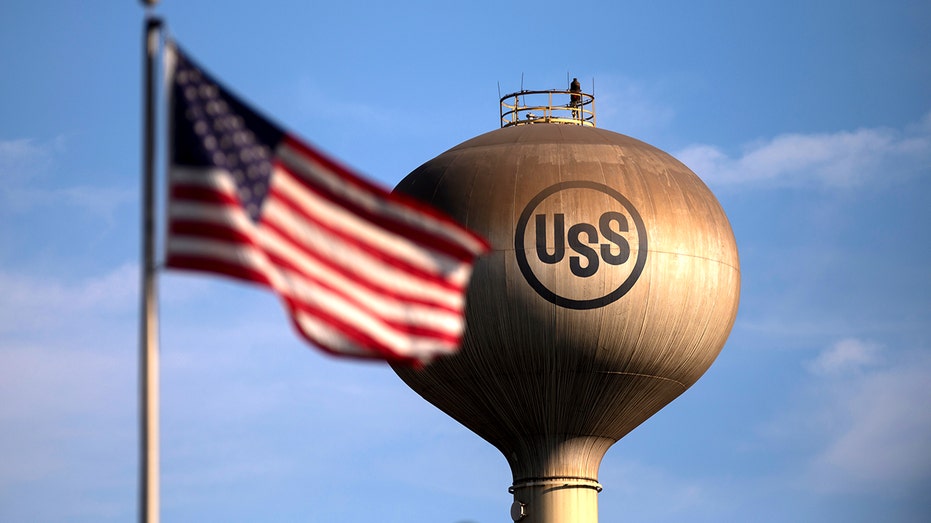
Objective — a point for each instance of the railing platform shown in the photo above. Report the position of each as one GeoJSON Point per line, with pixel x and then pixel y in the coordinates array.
{"type": "Point", "coordinates": [551, 106]}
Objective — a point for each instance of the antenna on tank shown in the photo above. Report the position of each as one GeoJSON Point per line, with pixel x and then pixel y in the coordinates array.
{"type": "Point", "coordinates": [562, 106]}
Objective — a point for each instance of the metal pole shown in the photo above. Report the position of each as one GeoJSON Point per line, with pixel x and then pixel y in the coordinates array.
{"type": "Point", "coordinates": [148, 332]}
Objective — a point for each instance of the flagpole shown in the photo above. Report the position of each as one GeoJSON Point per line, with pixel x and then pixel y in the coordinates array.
{"type": "Point", "coordinates": [148, 332]}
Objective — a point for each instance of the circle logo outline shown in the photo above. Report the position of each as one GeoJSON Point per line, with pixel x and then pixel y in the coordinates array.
{"type": "Point", "coordinates": [539, 287]}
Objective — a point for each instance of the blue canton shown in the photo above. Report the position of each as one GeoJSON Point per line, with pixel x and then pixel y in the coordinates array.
{"type": "Point", "coordinates": [225, 139]}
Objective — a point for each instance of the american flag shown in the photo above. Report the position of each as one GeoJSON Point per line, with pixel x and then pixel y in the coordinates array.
{"type": "Point", "coordinates": [362, 271]}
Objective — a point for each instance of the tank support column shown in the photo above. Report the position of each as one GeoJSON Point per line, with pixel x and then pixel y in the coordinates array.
{"type": "Point", "coordinates": [555, 500]}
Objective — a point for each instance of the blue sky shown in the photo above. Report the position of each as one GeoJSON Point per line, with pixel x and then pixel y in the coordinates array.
{"type": "Point", "coordinates": [811, 122]}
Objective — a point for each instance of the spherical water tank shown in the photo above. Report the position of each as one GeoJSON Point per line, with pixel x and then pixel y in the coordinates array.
{"type": "Point", "coordinates": [612, 286]}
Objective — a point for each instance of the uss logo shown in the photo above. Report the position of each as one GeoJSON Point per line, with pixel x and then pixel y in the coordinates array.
{"type": "Point", "coordinates": [580, 244]}
{"type": "Point", "coordinates": [615, 251]}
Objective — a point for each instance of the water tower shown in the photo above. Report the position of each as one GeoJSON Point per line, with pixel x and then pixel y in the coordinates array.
{"type": "Point", "coordinates": [612, 285]}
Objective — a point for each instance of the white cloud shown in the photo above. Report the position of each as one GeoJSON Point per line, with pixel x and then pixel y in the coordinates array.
{"type": "Point", "coordinates": [47, 383]}
{"type": "Point", "coordinates": [886, 441]}
{"type": "Point", "coordinates": [102, 201]}
{"type": "Point", "coordinates": [846, 355]}
{"type": "Point", "coordinates": [23, 158]}
{"type": "Point", "coordinates": [68, 417]}
{"type": "Point", "coordinates": [22, 161]}
{"type": "Point", "coordinates": [864, 422]}
{"type": "Point", "coordinates": [59, 340]}
{"type": "Point", "coordinates": [99, 201]}
{"type": "Point", "coordinates": [29, 303]}
{"type": "Point", "coordinates": [841, 159]}
{"type": "Point", "coordinates": [68, 381]}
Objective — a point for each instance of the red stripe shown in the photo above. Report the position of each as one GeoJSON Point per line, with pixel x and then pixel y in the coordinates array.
{"type": "Point", "coordinates": [371, 286]}
{"type": "Point", "coordinates": [385, 221]}
{"type": "Point", "coordinates": [366, 186]}
{"type": "Point", "coordinates": [202, 194]}
{"type": "Point", "coordinates": [187, 227]}
{"type": "Point", "coordinates": [403, 303]}
{"type": "Point", "coordinates": [224, 233]}
{"type": "Point", "coordinates": [374, 350]}
{"type": "Point", "coordinates": [347, 325]}
{"type": "Point", "coordinates": [382, 256]}
{"type": "Point", "coordinates": [236, 237]}
{"type": "Point", "coordinates": [360, 338]}
{"type": "Point", "coordinates": [216, 265]}
{"type": "Point", "coordinates": [359, 276]}
{"type": "Point", "coordinates": [417, 234]}
{"type": "Point", "coordinates": [377, 349]}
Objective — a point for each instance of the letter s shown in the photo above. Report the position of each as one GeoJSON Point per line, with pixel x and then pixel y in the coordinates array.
{"type": "Point", "coordinates": [589, 253]}
{"type": "Point", "coordinates": [604, 224]}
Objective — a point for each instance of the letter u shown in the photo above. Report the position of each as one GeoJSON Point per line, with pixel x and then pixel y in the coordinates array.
{"type": "Point", "coordinates": [559, 238]}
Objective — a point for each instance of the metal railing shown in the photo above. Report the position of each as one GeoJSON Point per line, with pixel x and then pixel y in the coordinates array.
{"type": "Point", "coordinates": [552, 106]}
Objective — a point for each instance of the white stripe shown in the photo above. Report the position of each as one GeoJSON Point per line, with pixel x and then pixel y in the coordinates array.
{"type": "Point", "coordinates": [302, 290]}
{"type": "Point", "coordinates": [324, 334]}
{"type": "Point", "coordinates": [363, 264]}
{"type": "Point", "coordinates": [385, 306]}
{"type": "Point", "coordinates": [207, 177]}
{"type": "Point", "coordinates": [360, 319]}
{"type": "Point", "coordinates": [376, 203]}
{"type": "Point", "coordinates": [248, 257]}
{"type": "Point", "coordinates": [351, 224]}
{"type": "Point", "coordinates": [235, 218]}
{"type": "Point", "coordinates": [239, 254]}
{"type": "Point", "coordinates": [422, 349]}
{"type": "Point", "coordinates": [294, 286]}
{"type": "Point", "coordinates": [212, 213]}
{"type": "Point", "coordinates": [379, 305]}
{"type": "Point", "coordinates": [404, 284]}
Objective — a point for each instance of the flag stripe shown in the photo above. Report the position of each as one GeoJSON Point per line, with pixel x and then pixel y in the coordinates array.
{"type": "Point", "coordinates": [362, 272]}
{"type": "Point", "coordinates": [377, 281]}
{"type": "Point", "coordinates": [324, 335]}
{"type": "Point", "coordinates": [309, 202]}
{"type": "Point", "coordinates": [179, 228]}
{"type": "Point", "coordinates": [396, 212]}
{"type": "Point", "coordinates": [301, 259]}
{"type": "Point", "coordinates": [239, 265]}
{"type": "Point", "coordinates": [190, 217]}
{"type": "Point", "coordinates": [203, 194]}
{"type": "Point", "coordinates": [423, 320]}
{"type": "Point", "coordinates": [238, 259]}
{"type": "Point", "coordinates": [308, 230]}
{"type": "Point", "coordinates": [205, 264]}
{"type": "Point", "coordinates": [352, 316]}
{"type": "Point", "coordinates": [309, 296]}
